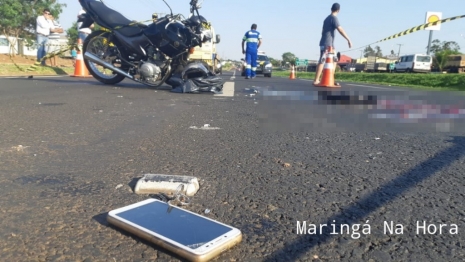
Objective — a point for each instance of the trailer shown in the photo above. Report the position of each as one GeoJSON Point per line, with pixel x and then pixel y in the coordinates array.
{"type": "Point", "coordinates": [381, 67]}
{"type": "Point", "coordinates": [208, 53]}
{"type": "Point", "coordinates": [455, 64]}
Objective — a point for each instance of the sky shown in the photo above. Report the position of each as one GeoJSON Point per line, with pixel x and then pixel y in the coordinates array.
{"type": "Point", "coordinates": [295, 25]}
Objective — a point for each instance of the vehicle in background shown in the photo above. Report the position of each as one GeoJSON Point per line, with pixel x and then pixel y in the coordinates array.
{"type": "Point", "coordinates": [264, 65]}
{"type": "Point", "coordinates": [455, 64]}
{"type": "Point", "coordinates": [414, 63]}
{"type": "Point", "coordinates": [208, 54]}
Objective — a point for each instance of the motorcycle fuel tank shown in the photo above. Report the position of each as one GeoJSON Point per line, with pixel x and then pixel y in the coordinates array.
{"type": "Point", "coordinates": [173, 40]}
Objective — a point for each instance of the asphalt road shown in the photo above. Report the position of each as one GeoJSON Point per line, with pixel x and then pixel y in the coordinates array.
{"type": "Point", "coordinates": [282, 155]}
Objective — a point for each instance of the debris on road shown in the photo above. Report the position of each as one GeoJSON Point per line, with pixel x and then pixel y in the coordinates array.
{"type": "Point", "coordinates": [281, 162]}
{"type": "Point", "coordinates": [19, 148]}
{"type": "Point", "coordinates": [207, 211]}
{"type": "Point", "coordinates": [271, 207]}
{"type": "Point", "coordinates": [119, 186]}
{"type": "Point", "coordinates": [205, 127]}
{"type": "Point", "coordinates": [167, 184]}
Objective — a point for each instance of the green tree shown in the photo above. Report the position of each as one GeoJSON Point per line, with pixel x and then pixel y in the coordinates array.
{"type": "Point", "coordinates": [274, 62]}
{"type": "Point", "coordinates": [10, 21]}
{"type": "Point", "coordinates": [438, 46]}
{"type": "Point", "coordinates": [72, 34]}
{"type": "Point", "coordinates": [289, 57]}
{"type": "Point", "coordinates": [368, 51]}
{"type": "Point", "coordinates": [378, 52]}
{"type": "Point", "coordinates": [442, 51]}
{"type": "Point", "coordinates": [18, 18]}
{"type": "Point", "coordinates": [440, 58]}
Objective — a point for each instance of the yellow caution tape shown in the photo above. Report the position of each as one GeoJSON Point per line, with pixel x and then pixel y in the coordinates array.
{"type": "Point", "coordinates": [207, 25]}
{"type": "Point", "coordinates": [421, 27]}
{"type": "Point", "coordinates": [48, 56]}
{"type": "Point", "coordinates": [411, 30]}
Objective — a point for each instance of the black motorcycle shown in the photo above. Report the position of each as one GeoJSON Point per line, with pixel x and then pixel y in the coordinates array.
{"type": "Point", "coordinates": [150, 54]}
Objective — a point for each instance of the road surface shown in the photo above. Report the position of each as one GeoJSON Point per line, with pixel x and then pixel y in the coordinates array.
{"type": "Point", "coordinates": [282, 163]}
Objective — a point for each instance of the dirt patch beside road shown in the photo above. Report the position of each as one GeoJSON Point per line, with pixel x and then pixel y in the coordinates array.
{"type": "Point", "coordinates": [30, 60]}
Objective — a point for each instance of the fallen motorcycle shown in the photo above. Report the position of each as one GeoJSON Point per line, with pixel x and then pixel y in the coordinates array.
{"type": "Point", "coordinates": [150, 54]}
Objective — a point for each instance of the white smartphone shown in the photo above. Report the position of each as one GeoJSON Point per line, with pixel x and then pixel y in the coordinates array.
{"type": "Point", "coordinates": [189, 235]}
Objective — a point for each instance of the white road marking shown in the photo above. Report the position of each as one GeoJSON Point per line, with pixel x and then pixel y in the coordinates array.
{"type": "Point", "coordinates": [228, 89]}
{"type": "Point", "coordinates": [234, 75]}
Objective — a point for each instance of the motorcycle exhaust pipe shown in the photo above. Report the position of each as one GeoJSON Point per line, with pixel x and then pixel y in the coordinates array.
{"type": "Point", "coordinates": [107, 65]}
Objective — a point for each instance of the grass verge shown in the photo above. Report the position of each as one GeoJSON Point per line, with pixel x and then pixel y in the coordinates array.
{"type": "Point", "coordinates": [441, 82]}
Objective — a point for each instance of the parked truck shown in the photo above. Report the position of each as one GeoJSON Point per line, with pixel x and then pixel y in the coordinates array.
{"type": "Point", "coordinates": [455, 64]}
{"type": "Point", "coordinates": [208, 54]}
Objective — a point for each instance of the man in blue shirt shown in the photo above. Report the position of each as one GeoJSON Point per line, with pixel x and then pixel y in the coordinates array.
{"type": "Point", "coordinates": [254, 40]}
{"type": "Point", "coordinates": [330, 24]}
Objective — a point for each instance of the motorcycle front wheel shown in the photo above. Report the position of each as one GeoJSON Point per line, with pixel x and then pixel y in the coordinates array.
{"type": "Point", "coordinates": [98, 43]}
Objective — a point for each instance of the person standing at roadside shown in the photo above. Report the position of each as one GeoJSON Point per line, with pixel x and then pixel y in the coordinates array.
{"type": "Point", "coordinates": [83, 32]}
{"type": "Point", "coordinates": [253, 40]}
{"type": "Point", "coordinates": [43, 29]}
{"type": "Point", "coordinates": [54, 43]}
{"type": "Point", "coordinates": [74, 55]}
{"type": "Point", "coordinates": [330, 24]}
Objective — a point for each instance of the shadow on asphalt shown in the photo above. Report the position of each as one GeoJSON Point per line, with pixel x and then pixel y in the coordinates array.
{"type": "Point", "coordinates": [370, 203]}
{"type": "Point", "coordinates": [102, 219]}
{"type": "Point", "coordinates": [90, 81]}
{"type": "Point", "coordinates": [58, 70]}
{"type": "Point", "coordinates": [133, 183]}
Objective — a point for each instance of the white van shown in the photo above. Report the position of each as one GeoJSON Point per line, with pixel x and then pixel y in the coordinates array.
{"type": "Point", "coordinates": [414, 63]}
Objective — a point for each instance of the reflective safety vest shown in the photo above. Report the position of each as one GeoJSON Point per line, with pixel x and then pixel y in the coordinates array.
{"type": "Point", "coordinates": [252, 37]}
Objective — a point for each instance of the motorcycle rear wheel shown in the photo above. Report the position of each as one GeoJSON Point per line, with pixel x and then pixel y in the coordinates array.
{"type": "Point", "coordinates": [99, 44]}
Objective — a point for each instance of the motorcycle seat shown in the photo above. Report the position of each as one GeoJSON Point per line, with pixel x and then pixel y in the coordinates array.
{"type": "Point", "coordinates": [113, 19]}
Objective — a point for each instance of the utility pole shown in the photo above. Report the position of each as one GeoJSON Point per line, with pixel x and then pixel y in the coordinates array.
{"type": "Point", "coordinates": [429, 41]}
{"type": "Point", "coordinates": [398, 54]}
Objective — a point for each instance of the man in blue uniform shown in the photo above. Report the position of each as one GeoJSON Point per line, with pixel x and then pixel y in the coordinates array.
{"type": "Point", "coordinates": [330, 24]}
{"type": "Point", "coordinates": [254, 40]}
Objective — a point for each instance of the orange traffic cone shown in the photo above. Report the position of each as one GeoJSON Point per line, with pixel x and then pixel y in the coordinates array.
{"type": "Point", "coordinates": [292, 76]}
{"type": "Point", "coordinates": [327, 80]}
{"type": "Point", "coordinates": [80, 69]}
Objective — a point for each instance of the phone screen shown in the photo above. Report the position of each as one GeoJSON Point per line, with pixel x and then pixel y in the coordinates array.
{"type": "Point", "coordinates": [174, 223]}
